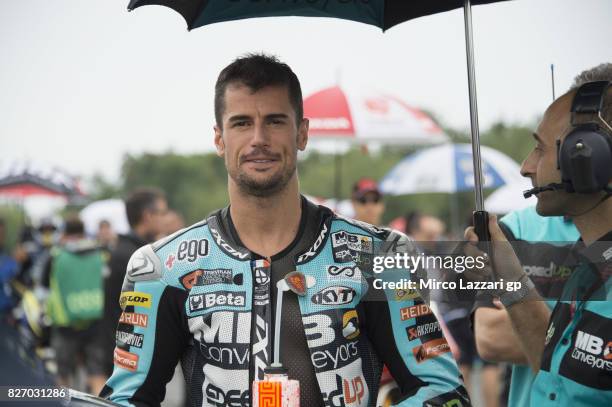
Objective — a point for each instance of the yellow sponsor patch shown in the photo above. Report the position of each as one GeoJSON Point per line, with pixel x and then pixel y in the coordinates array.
{"type": "Point", "coordinates": [406, 294]}
{"type": "Point", "coordinates": [135, 298]}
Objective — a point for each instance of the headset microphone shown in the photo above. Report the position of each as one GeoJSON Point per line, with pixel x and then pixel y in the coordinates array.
{"type": "Point", "coordinates": [538, 190]}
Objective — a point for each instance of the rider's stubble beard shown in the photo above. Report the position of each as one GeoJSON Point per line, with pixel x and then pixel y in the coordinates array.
{"type": "Point", "coordinates": [268, 186]}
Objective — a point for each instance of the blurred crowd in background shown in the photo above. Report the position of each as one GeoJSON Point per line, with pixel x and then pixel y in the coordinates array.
{"type": "Point", "coordinates": [61, 288]}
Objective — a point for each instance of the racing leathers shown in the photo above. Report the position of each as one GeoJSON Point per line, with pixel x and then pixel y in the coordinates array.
{"type": "Point", "coordinates": [199, 296]}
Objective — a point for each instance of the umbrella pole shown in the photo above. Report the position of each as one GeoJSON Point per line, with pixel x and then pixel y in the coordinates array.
{"type": "Point", "coordinates": [480, 216]}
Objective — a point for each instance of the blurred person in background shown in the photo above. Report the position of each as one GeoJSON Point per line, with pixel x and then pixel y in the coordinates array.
{"type": "Point", "coordinates": [8, 270]}
{"type": "Point", "coordinates": [32, 251]}
{"type": "Point", "coordinates": [541, 258]}
{"type": "Point", "coordinates": [367, 201]}
{"type": "Point", "coordinates": [172, 222]}
{"type": "Point", "coordinates": [74, 276]}
{"type": "Point", "coordinates": [106, 236]}
{"type": "Point", "coordinates": [145, 209]}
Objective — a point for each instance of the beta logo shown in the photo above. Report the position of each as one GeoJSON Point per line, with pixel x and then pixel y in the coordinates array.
{"type": "Point", "coordinates": [125, 360]}
{"type": "Point", "coordinates": [199, 302]}
{"type": "Point", "coordinates": [430, 349]}
{"type": "Point", "coordinates": [135, 298]}
{"type": "Point", "coordinates": [414, 311]}
{"type": "Point", "coordinates": [334, 295]}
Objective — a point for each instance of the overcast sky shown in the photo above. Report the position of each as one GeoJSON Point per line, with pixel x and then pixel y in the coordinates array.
{"type": "Point", "coordinates": [83, 82]}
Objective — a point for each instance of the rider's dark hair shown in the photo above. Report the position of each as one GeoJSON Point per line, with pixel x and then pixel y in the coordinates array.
{"type": "Point", "coordinates": [257, 71]}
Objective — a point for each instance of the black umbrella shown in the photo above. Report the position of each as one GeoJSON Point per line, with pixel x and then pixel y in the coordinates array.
{"type": "Point", "coordinates": [381, 13]}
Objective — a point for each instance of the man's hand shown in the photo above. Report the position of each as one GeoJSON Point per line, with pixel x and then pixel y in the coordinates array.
{"type": "Point", "coordinates": [506, 265]}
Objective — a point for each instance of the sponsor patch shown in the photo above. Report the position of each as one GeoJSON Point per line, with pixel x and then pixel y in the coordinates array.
{"type": "Point", "coordinates": [348, 246]}
{"type": "Point", "coordinates": [133, 318]}
{"type": "Point", "coordinates": [135, 298]}
{"type": "Point", "coordinates": [334, 295]}
{"type": "Point", "coordinates": [125, 360]}
{"type": "Point", "coordinates": [129, 338]}
{"type": "Point", "coordinates": [192, 250]}
{"type": "Point", "coordinates": [350, 324]}
{"type": "Point", "coordinates": [414, 311]}
{"type": "Point", "coordinates": [198, 302]}
{"type": "Point", "coordinates": [352, 273]}
{"type": "Point", "coordinates": [430, 349]}
{"type": "Point", "coordinates": [415, 332]}
{"type": "Point", "coordinates": [406, 294]}
{"type": "Point", "coordinates": [207, 277]}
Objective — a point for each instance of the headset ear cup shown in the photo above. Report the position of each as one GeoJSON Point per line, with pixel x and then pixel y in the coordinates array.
{"type": "Point", "coordinates": [585, 160]}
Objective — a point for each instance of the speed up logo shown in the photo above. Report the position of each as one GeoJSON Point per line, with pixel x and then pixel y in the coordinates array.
{"type": "Point", "coordinates": [347, 246]}
{"type": "Point", "coordinates": [135, 298]}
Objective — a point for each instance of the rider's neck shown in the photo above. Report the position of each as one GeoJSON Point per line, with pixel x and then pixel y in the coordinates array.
{"type": "Point", "coordinates": [266, 225]}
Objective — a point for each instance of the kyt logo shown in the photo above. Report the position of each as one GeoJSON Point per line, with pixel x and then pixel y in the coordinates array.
{"type": "Point", "coordinates": [334, 295]}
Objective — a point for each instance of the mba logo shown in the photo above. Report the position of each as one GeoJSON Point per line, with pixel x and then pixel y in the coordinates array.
{"type": "Point", "coordinates": [594, 345]}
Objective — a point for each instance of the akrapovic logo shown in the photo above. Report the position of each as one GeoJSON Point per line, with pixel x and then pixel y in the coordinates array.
{"type": "Point", "coordinates": [334, 295]}
{"type": "Point", "coordinates": [225, 246]}
{"type": "Point", "coordinates": [129, 338]}
{"type": "Point", "coordinates": [313, 249]}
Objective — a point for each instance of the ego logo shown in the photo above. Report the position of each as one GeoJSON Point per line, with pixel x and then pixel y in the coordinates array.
{"type": "Point", "coordinates": [134, 298]}
{"type": "Point", "coordinates": [191, 250]}
{"type": "Point", "coordinates": [334, 295]}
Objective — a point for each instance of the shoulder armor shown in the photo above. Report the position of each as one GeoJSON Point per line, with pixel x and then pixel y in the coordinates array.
{"type": "Point", "coordinates": [144, 265]}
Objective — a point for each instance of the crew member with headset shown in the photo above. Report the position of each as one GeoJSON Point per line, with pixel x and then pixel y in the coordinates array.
{"type": "Point", "coordinates": [571, 170]}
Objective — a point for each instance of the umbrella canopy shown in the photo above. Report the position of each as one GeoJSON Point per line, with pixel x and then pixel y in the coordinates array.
{"type": "Point", "coordinates": [112, 210]}
{"type": "Point", "coordinates": [510, 198]}
{"type": "Point", "coordinates": [381, 13]}
{"type": "Point", "coordinates": [448, 169]}
{"type": "Point", "coordinates": [349, 115]}
{"type": "Point", "coordinates": [22, 180]}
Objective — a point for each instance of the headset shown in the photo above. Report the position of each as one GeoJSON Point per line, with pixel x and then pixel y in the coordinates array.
{"type": "Point", "coordinates": [584, 157]}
